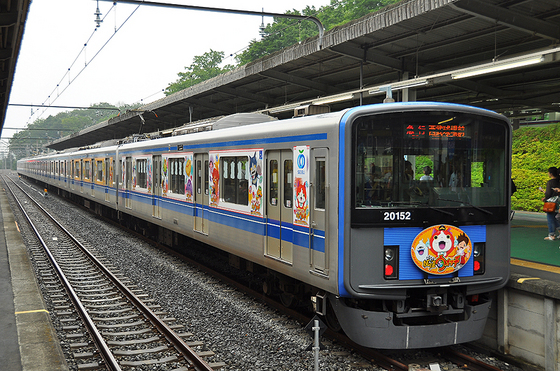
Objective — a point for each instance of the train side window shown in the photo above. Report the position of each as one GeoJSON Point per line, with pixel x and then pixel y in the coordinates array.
{"type": "Point", "coordinates": [206, 175]}
{"type": "Point", "coordinates": [198, 176]}
{"type": "Point", "coordinates": [288, 183]}
{"type": "Point", "coordinates": [273, 182]}
{"type": "Point", "coordinates": [87, 170]}
{"type": "Point", "coordinates": [177, 179]}
{"type": "Point", "coordinates": [235, 185]}
{"type": "Point", "coordinates": [320, 180]}
{"type": "Point", "coordinates": [111, 173]}
{"type": "Point", "coordinates": [99, 170]}
{"type": "Point", "coordinates": [142, 171]}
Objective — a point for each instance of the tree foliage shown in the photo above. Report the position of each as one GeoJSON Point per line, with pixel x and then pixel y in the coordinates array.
{"type": "Point", "coordinates": [203, 68]}
{"type": "Point", "coordinates": [534, 151]}
{"type": "Point", "coordinates": [284, 32]}
{"type": "Point", "coordinates": [42, 131]}
{"type": "Point", "coordinates": [280, 34]}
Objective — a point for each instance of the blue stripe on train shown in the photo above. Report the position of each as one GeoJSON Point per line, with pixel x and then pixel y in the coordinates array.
{"type": "Point", "coordinates": [295, 234]}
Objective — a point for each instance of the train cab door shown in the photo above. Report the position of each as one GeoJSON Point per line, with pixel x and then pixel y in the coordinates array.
{"type": "Point", "coordinates": [201, 196]}
{"type": "Point", "coordinates": [157, 191]}
{"type": "Point", "coordinates": [279, 229]}
{"type": "Point", "coordinates": [128, 182]}
{"type": "Point", "coordinates": [318, 205]}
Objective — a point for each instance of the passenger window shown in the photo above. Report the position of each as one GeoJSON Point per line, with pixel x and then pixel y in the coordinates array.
{"type": "Point", "coordinates": [288, 183]}
{"type": "Point", "coordinates": [99, 171]}
{"type": "Point", "coordinates": [177, 181]}
{"type": "Point", "coordinates": [142, 173]}
{"type": "Point", "coordinates": [273, 182]}
{"type": "Point", "coordinates": [235, 185]}
{"type": "Point", "coordinates": [320, 180]}
{"type": "Point", "coordinates": [198, 177]}
{"type": "Point", "coordinates": [206, 175]}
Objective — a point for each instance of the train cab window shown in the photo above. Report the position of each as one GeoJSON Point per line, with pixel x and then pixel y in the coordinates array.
{"type": "Point", "coordinates": [273, 182]}
{"type": "Point", "coordinates": [177, 176]}
{"type": "Point", "coordinates": [429, 160]}
{"type": "Point", "coordinates": [142, 173]}
{"type": "Point", "coordinates": [235, 179]}
{"type": "Point", "coordinates": [288, 183]}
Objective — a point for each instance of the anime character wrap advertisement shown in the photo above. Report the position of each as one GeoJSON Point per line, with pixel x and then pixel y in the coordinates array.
{"type": "Point", "coordinates": [256, 184]}
{"type": "Point", "coordinates": [441, 249]}
{"type": "Point", "coordinates": [134, 174]}
{"type": "Point", "coordinates": [214, 179]}
{"type": "Point", "coordinates": [301, 185]}
{"type": "Point", "coordinates": [164, 176]}
{"type": "Point", "coordinates": [123, 167]}
{"type": "Point", "coordinates": [149, 179]}
{"type": "Point", "coordinates": [189, 193]}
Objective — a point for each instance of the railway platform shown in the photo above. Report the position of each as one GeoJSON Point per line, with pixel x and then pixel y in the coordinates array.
{"type": "Point", "coordinates": [28, 341]}
{"type": "Point", "coordinates": [531, 254]}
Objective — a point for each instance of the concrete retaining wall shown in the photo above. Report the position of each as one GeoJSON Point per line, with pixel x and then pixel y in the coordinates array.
{"type": "Point", "coordinates": [523, 321]}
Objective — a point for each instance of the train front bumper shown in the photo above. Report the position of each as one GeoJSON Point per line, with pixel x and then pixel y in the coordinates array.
{"type": "Point", "coordinates": [377, 329]}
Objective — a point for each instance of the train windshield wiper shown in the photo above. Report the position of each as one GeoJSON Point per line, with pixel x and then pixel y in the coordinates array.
{"type": "Point", "coordinates": [468, 204]}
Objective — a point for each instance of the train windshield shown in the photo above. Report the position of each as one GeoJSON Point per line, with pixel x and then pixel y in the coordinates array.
{"type": "Point", "coordinates": [430, 160]}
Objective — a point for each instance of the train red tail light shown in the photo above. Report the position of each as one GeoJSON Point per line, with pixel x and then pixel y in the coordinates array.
{"type": "Point", "coordinates": [479, 257]}
{"type": "Point", "coordinates": [391, 262]}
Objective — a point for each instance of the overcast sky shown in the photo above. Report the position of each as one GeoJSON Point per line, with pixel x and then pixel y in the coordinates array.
{"type": "Point", "coordinates": [138, 62]}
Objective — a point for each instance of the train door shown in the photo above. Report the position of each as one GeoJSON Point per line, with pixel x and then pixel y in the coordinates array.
{"type": "Point", "coordinates": [157, 191]}
{"type": "Point", "coordinates": [93, 176]}
{"type": "Point", "coordinates": [201, 192]}
{"type": "Point", "coordinates": [106, 177]}
{"type": "Point", "coordinates": [81, 176]}
{"type": "Point", "coordinates": [279, 230]}
{"type": "Point", "coordinates": [128, 182]}
{"type": "Point", "coordinates": [72, 175]}
{"type": "Point", "coordinates": [318, 231]}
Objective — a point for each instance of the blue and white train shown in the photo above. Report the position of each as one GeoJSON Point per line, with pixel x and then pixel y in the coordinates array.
{"type": "Point", "coordinates": [392, 219]}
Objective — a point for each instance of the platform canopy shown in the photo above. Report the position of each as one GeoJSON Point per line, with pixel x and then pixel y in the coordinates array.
{"type": "Point", "coordinates": [13, 15]}
{"type": "Point", "coordinates": [503, 55]}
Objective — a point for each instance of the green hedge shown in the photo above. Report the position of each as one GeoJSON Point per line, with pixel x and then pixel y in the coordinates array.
{"type": "Point", "coordinates": [535, 149]}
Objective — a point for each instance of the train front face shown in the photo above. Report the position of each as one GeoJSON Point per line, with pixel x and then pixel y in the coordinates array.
{"type": "Point", "coordinates": [426, 189]}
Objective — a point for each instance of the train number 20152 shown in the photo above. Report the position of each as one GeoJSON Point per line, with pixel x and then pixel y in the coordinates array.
{"type": "Point", "coordinates": [399, 215]}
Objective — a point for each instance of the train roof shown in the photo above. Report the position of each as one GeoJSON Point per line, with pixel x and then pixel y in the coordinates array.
{"type": "Point", "coordinates": [245, 125]}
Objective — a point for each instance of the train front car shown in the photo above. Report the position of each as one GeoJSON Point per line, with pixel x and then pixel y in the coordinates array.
{"type": "Point", "coordinates": [424, 239]}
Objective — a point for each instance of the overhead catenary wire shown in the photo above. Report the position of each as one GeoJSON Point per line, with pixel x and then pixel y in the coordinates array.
{"type": "Point", "coordinates": [46, 104]}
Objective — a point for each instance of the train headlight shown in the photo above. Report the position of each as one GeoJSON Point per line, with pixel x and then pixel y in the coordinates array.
{"type": "Point", "coordinates": [479, 258]}
{"type": "Point", "coordinates": [389, 254]}
{"type": "Point", "coordinates": [391, 263]}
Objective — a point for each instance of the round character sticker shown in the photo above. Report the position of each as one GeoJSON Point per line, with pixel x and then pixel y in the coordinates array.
{"type": "Point", "coordinates": [441, 249]}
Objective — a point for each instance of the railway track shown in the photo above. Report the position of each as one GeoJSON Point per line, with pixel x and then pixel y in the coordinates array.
{"type": "Point", "coordinates": [381, 359]}
{"type": "Point", "coordinates": [107, 321]}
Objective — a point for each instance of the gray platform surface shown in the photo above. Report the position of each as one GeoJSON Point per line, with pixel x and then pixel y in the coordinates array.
{"type": "Point", "coordinates": [28, 341]}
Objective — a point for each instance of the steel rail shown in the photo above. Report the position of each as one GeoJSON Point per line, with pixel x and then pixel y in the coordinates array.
{"type": "Point", "coordinates": [104, 350]}
{"type": "Point", "coordinates": [197, 362]}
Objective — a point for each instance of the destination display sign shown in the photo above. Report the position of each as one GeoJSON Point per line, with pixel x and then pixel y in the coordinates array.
{"type": "Point", "coordinates": [435, 131]}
